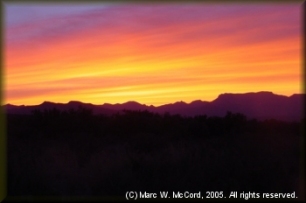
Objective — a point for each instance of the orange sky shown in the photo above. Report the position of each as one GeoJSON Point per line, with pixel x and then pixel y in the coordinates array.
{"type": "Point", "coordinates": [151, 53]}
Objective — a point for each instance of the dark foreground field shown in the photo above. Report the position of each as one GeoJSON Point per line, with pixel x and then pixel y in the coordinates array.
{"type": "Point", "coordinates": [75, 153]}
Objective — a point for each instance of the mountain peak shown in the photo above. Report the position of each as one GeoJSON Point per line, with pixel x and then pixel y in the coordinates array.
{"type": "Point", "coordinates": [74, 102]}
{"type": "Point", "coordinates": [132, 102]}
{"type": "Point", "coordinates": [47, 103]}
{"type": "Point", "coordinates": [252, 94]}
{"type": "Point", "coordinates": [196, 101]}
{"type": "Point", "coordinates": [297, 95]}
{"type": "Point", "coordinates": [264, 92]}
{"type": "Point", "coordinates": [180, 102]}
{"type": "Point", "coordinates": [8, 104]}
{"type": "Point", "coordinates": [249, 93]}
{"type": "Point", "coordinates": [263, 104]}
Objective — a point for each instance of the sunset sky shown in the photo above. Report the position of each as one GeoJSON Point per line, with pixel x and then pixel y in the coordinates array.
{"type": "Point", "coordinates": [150, 53]}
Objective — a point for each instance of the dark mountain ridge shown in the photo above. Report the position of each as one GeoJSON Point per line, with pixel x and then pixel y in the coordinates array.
{"type": "Point", "coordinates": [258, 105]}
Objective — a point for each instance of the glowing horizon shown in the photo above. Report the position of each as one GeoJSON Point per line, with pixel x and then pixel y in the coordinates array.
{"type": "Point", "coordinates": [153, 54]}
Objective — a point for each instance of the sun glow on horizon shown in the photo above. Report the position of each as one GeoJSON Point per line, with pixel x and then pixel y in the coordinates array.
{"type": "Point", "coordinates": [151, 54]}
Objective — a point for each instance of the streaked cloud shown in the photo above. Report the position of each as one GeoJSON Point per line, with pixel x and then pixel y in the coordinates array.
{"type": "Point", "coordinates": [162, 52]}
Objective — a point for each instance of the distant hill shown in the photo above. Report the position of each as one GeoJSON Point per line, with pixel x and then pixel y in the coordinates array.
{"type": "Point", "coordinates": [97, 109]}
{"type": "Point", "coordinates": [259, 105]}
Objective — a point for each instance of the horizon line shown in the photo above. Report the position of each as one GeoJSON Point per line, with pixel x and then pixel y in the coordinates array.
{"type": "Point", "coordinates": [133, 101]}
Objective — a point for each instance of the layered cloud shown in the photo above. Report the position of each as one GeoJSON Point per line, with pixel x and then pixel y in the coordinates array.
{"type": "Point", "coordinates": [151, 53]}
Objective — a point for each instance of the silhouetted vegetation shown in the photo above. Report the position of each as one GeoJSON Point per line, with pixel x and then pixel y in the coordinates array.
{"type": "Point", "coordinates": [74, 152]}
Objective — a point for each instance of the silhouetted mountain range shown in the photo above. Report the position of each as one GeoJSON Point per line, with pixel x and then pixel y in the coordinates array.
{"type": "Point", "coordinates": [260, 105]}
